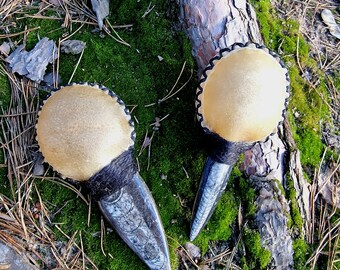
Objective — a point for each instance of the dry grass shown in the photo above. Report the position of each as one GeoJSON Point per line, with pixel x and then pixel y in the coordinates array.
{"type": "Point", "coordinates": [70, 13]}
{"type": "Point", "coordinates": [324, 227]}
{"type": "Point", "coordinates": [221, 258]}
{"type": "Point", "coordinates": [325, 223]}
{"type": "Point", "coordinates": [326, 236]}
{"type": "Point", "coordinates": [325, 48]}
{"type": "Point", "coordinates": [7, 9]}
{"type": "Point", "coordinates": [25, 222]}
{"type": "Point", "coordinates": [173, 92]}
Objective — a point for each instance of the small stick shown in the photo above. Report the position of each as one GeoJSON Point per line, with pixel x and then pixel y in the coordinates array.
{"type": "Point", "coordinates": [148, 10]}
{"type": "Point", "coordinates": [185, 251]}
{"type": "Point", "coordinates": [149, 151]}
{"type": "Point", "coordinates": [186, 173]}
{"type": "Point", "coordinates": [89, 211]}
{"type": "Point", "coordinates": [171, 94]}
{"type": "Point", "coordinates": [19, 33]}
{"type": "Point", "coordinates": [102, 233]}
{"type": "Point", "coordinates": [74, 71]}
{"type": "Point", "coordinates": [118, 39]}
{"type": "Point", "coordinates": [82, 249]}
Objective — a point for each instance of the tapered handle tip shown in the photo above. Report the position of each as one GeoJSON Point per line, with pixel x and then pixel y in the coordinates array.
{"type": "Point", "coordinates": [132, 212]}
{"type": "Point", "coordinates": [213, 182]}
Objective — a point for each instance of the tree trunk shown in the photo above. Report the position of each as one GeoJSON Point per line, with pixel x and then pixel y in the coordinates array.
{"type": "Point", "coordinates": [212, 25]}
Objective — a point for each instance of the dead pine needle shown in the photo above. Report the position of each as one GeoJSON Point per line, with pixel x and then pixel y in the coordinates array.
{"type": "Point", "coordinates": [186, 172]}
{"type": "Point", "coordinates": [149, 152]}
{"type": "Point", "coordinates": [89, 211]}
{"type": "Point", "coordinates": [148, 10]}
{"type": "Point", "coordinates": [173, 92]}
{"type": "Point", "coordinates": [56, 69]}
{"type": "Point", "coordinates": [76, 67]}
{"type": "Point", "coordinates": [147, 142]}
{"type": "Point", "coordinates": [65, 184]}
{"type": "Point", "coordinates": [76, 246]}
{"type": "Point", "coordinates": [186, 253]}
{"type": "Point", "coordinates": [133, 107]}
{"type": "Point", "coordinates": [102, 234]}
{"type": "Point", "coordinates": [82, 249]}
{"type": "Point", "coordinates": [19, 33]}
{"type": "Point", "coordinates": [42, 207]}
{"type": "Point", "coordinates": [117, 38]}
{"type": "Point", "coordinates": [157, 124]}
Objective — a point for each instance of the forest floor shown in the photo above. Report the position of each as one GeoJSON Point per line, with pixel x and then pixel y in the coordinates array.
{"type": "Point", "coordinates": [142, 55]}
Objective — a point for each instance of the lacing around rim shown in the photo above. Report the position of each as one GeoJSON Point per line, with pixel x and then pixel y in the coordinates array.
{"type": "Point", "coordinates": [110, 93]}
{"type": "Point", "coordinates": [224, 52]}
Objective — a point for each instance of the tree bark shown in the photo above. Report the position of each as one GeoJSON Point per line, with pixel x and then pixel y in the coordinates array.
{"type": "Point", "coordinates": [212, 25]}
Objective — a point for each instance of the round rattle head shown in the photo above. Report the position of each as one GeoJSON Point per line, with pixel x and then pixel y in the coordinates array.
{"type": "Point", "coordinates": [85, 133]}
{"type": "Point", "coordinates": [81, 128]}
{"type": "Point", "coordinates": [243, 93]}
{"type": "Point", "coordinates": [240, 100]}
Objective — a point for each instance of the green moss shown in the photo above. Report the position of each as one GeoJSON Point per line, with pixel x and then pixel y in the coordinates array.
{"type": "Point", "coordinates": [301, 254]}
{"type": "Point", "coordinates": [311, 147]}
{"type": "Point", "coordinates": [248, 197]}
{"type": "Point", "coordinates": [4, 91]}
{"type": "Point", "coordinates": [336, 79]}
{"type": "Point", "coordinates": [137, 75]}
{"type": "Point", "coordinates": [281, 189]}
{"type": "Point", "coordinates": [5, 188]}
{"type": "Point", "coordinates": [283, 35]}
{"type": "Point", "coordinates": [4, 102]}
{"type": "Point", "coordinates": [220, 224]}
{"type": "Point", "coordinates": [256, 257]}
{"type": "Point", "coordinates": [48, 28]}
{"type": "Point", "coordinates": [296, 220]}
{"type": "Point", "coordinates": [176, 159]}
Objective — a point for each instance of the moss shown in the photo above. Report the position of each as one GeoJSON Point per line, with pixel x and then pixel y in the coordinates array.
{"type": "Point", "coordinates": [311, 147]}
{"type": "Point", "coordinates": [301, 254]}
{"type": "Point", "coordinates": [280, 188]}
{"type": "Point", "coordinates": [139, 78]}
{"type": "Point", "coordinates": [257, 257]}
{"type": "Point", "coordinates": [247, 196]}
{"type": "Point", "coordinates": [47, 28]}
{"type": "Point", "coordinates": [296, 220]}
{"type": "Point", "coordinates": [4, 102]}
{"type": "Point", "coordinates": [220, 224]}
{"type": "Point", "coordinates": [307, 106]}
{"type": "Point", "coordinates": [283, 35]}
{"type": "Point", "coordinates": [4, 91]}
{"type": "Point", "coordinates": [5, 188]}
{"type": "Point", "coordinates": [137, 75]}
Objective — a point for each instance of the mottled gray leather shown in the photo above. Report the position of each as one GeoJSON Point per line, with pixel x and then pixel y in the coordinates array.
{"type": "Point", "coordinates": [132, 212]}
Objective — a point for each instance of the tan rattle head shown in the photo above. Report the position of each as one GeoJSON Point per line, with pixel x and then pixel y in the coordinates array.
{"type": "Point", "coordinates": [85, 133]}
{"type": "Point", "coordinates": [241, 99]}
{"type": "Point", "coordinates": [81, 129]}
